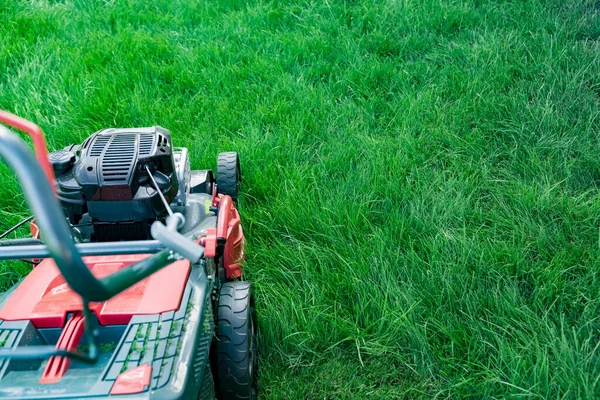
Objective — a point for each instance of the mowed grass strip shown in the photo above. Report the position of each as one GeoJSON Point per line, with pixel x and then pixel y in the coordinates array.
{"type": "Point", "coordinates": [420, 177]}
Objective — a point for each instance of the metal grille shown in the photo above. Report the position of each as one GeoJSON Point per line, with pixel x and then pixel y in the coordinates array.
{"type": "Point", "coordinates": [119, 158]}
{"type": "Point", "coordinates": [99, 145]}
{"type": "Point", "coordinates": [146, 142]}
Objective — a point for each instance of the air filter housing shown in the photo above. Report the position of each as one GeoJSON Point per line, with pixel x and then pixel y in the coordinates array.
{"type": "Point", "coordinates": [106, 180]}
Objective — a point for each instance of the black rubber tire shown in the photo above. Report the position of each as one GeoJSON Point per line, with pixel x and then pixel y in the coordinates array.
{"type": "Point", "coordinates": [229, 174]}
{"type": "Point", "coordinates": [236, 342]}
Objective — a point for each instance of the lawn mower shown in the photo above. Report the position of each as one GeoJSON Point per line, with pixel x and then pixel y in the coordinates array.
{"type": "Point", "coordinates": [136, 290]}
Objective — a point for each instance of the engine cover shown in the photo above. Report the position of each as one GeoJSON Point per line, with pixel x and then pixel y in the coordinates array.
{"type": "Point", "coordinates": [106, 181]}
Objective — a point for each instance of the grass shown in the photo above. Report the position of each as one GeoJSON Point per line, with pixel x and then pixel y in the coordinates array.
{"type": "Point", "coordinates": [420, 176]}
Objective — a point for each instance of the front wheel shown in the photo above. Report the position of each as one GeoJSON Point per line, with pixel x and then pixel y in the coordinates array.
{"type": "Point", "coordinates": [229, 175]}
{"type": "Point", "coordinates": [236, 342]}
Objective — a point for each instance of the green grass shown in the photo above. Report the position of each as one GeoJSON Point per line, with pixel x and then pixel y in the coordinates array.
{"type": "Point", "coordinates": [420, 176]}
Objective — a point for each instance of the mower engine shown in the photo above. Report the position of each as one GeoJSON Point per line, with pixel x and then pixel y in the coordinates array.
{"type": "Point", "coordinates": [104, 185]}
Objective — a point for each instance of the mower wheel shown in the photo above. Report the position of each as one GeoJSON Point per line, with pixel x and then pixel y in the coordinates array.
{"type": "Point", "coordinates": [229, 174]}
{"type": "Point", "coordinates": [236, 342]}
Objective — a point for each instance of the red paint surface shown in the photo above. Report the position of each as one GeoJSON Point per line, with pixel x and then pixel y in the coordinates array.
{"type": "Point", "coordinates": [135, 380]}
{"type": "Point", "coordinates": [229, 227]}
{"type": "Point", "coordinates": [210, 242]}
{"type": "Point", "coordinates": [35, 231]}
{"type": "Point", "coordinates": [69, 340]}
{"type": "Point", "coordinates": [45, 298]}
{"type": "Point", "coordinates": [39, 141]}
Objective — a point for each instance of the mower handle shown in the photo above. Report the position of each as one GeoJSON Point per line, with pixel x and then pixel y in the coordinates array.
{"type": "Point", "coordinates": [175, 241]}
{"type": "Point", "coordinates": [37, 136]}
{"type": "Point", "coordinates": [57, 234]}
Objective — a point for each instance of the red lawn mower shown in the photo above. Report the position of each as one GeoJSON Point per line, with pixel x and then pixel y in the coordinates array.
{"type": "Point", "coordinates": [136, 289]}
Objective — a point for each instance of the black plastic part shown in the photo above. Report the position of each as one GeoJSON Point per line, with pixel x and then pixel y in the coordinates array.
{"type": "Point", "coordinates": [229, 175]}
{"type": "Point", "coordinates": [61, 161]}
{"type": "Point", "coordinates": [106, 178]}
{"type": "Point", "coordinates": [236, 342]}
{"type": "Point", "coordinates": [221, 246]}
{"type": "Point", "coordinates": [115, 231]}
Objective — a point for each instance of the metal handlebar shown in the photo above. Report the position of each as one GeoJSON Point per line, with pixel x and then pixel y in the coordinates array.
{"type": "Point", "coordinates": [56, 233]}
{"type": "Point", "coordinates": [37, 136]}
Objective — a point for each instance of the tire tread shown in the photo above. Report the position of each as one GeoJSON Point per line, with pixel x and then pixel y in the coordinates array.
{"type": "Point", "coordinates": [234, 379]}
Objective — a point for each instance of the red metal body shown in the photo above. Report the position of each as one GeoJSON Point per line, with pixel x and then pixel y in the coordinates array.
{"type": "Point", "coordinates": [35, 231]}
{"type": "Point", "coordinates": [45, 298]}
{"type": "Point", "coordinates": [229, 231]}
{"type": "Point", "coordinates": [133, 381]}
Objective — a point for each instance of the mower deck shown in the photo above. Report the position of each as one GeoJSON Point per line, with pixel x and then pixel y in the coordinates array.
{"type": "Point", "coordinates": [164, 342]}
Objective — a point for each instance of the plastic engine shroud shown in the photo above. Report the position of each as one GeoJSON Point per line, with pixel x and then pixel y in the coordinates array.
{"type": "Point", "coordinates": [104, 181]}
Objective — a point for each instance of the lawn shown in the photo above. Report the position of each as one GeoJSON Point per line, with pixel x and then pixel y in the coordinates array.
{"type": "Point", "coordinates": [420, 176]}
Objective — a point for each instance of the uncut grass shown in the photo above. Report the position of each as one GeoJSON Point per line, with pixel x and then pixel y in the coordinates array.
{"type": "Point", "coordinates": [420, 177]}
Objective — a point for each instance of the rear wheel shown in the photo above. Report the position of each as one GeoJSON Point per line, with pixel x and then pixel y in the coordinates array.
{"type": "Point", "coordinates": [229, 175]}
{"type": "Point", "coordinates": [236, 342]}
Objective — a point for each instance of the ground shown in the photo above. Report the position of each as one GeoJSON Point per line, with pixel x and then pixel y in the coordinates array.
{"type": "Point", "coordinates": [420, 176]}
